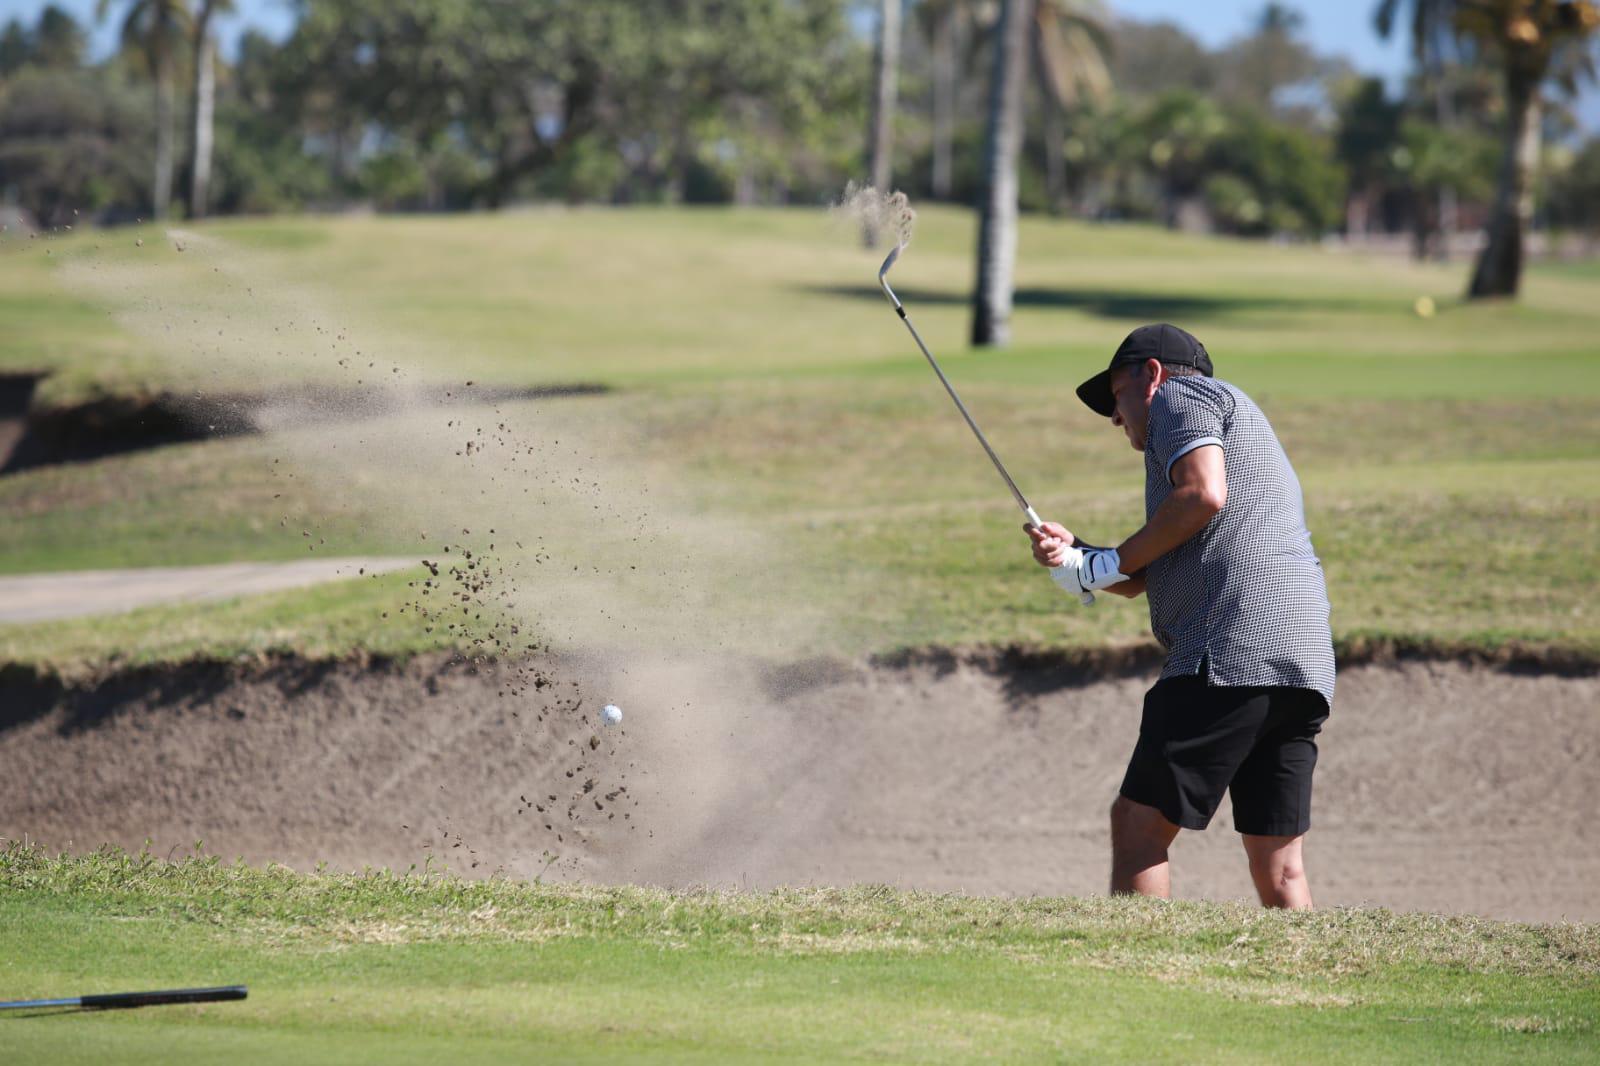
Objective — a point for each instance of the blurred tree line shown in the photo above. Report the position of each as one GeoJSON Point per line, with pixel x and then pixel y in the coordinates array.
{"type": "Point", "coordinates": [456, 104]}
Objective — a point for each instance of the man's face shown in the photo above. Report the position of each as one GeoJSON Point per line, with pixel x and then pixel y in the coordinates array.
{"type": "Point", "coordinates": [1132, 389]}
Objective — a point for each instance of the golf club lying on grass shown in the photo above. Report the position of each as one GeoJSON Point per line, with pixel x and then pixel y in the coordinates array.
{"type": "Point", "coordinates": [119, 1000]}
{"type": "Point", "coordinates": [1058, 574]}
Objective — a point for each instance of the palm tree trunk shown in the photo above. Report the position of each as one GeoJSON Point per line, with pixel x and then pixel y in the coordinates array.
{"type": "Point", "coordinates": [204, 107]}
{"type": "Point", "coordinates": [944, 100]}
{"type": "Point", "coordinates": [1499, 269]}
{"type": "Point", "coordinates": [997, 225]}
{"type": "Point", "coordinates": [883, 99]}
{"type": "Point", "coordinates": [161, 191]}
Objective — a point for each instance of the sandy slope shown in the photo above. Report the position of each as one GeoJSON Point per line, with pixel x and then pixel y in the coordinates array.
{"type": "Point", "coordinates": [1443, 786]}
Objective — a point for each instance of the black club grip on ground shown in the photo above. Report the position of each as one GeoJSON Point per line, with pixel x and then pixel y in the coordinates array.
{"type": "Point", "coordinates": [117, 1000]}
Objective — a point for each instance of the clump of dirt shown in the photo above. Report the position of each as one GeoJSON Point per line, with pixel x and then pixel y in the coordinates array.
{"type": "Point", "coordinates": [1443, 786]}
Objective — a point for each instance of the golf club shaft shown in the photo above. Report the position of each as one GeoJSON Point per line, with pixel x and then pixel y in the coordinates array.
{"type": "Point", "coordinates": [1058, 574]}
{"type": "Point", "coordinates": [135, 999]}
{"type": "Point", "coordinates": [993, 458]}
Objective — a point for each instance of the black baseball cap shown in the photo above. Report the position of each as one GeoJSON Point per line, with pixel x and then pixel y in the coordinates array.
{"type": "Point", "coordinates": [1161, 341]}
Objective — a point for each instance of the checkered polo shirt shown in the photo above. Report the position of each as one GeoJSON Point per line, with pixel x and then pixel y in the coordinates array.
{"type": "Point", "coordinates": [1245, 595]}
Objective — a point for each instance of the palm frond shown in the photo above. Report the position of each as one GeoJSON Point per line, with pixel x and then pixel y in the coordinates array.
{"type": "Point", "coordinates": [1073, 45]}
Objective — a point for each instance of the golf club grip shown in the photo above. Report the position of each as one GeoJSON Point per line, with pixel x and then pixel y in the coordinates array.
{"type": "Point", "coordinates": [151, 999]}
{"type": "Point", "coordinates": [1058, 574]}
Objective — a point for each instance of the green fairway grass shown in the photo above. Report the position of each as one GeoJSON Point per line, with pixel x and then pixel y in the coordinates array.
{"type": "Point", "coordinates": [386, 968]}
{"type": "Point", "coordinates": [1451, 465]}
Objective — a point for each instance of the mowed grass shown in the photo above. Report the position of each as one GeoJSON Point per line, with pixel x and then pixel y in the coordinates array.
{"type": "Point", "coordinates": [1451, 465]}
{"type": "Point", "coordinates": [412, 968]}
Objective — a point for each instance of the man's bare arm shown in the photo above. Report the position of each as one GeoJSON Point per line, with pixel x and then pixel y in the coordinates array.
{"type": "Point", "coordinates": [1200, 491]}
{"type": "Point", "coordinates": [1131, 588]}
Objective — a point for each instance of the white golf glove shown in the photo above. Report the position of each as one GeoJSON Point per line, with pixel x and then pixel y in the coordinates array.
{"type": "Point", "coordinates": [1101, 568]}
{"type": "Point", "coordinates": [1088, 569]}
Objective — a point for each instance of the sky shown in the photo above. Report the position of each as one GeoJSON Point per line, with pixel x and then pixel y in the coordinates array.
{"type": "Point", "coordinates": [1334, 27]}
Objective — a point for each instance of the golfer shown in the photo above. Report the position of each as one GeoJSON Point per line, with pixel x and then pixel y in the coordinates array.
{"type": "Point", "coordinates": [1238, 601]}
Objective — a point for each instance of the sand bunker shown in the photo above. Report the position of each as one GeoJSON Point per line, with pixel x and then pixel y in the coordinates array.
{"type": "Point", "coordinates": [1444, 787]}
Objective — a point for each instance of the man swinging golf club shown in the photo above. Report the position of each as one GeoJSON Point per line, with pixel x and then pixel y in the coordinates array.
{"type": "Point", "coordinates": [1237, 598]}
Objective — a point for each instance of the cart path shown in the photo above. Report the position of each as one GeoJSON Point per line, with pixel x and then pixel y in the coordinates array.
{"type": "Point", "coordinates": [73, 594]}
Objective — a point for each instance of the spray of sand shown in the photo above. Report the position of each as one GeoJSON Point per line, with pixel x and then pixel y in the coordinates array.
{"type": "Point", "coordinates": [878, 215]}
{"type": "Point", "coordinates": [553, 546]}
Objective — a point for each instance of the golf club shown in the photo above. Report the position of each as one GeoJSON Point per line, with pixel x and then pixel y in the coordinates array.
{"type": "Point", "coordinates": [1058, 574]}
{"type": "Point", "coordinates": [117, 1000]}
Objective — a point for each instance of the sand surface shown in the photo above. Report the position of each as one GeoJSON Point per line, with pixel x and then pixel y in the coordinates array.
{"type": "Point", "coordinates": [1443, 786]}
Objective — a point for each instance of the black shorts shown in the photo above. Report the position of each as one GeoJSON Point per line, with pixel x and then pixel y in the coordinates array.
{"type": "Point", "coordinates": [1197, 740]}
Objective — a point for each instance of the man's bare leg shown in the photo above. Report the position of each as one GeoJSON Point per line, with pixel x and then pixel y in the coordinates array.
{"type": "Point", "coordinates": [1140, 836]}
{"type": "Point", "coordinates": [1277, 869]}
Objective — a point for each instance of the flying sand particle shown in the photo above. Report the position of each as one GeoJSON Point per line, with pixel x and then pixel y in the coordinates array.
{"type": "Point", "coordinates": [877, 214]}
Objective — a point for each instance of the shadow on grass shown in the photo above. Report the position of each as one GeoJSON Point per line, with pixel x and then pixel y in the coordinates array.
{"type": "Point", "coordinates": [1133, 306]}
{"type": "Point", "coordinates": [117, 425]}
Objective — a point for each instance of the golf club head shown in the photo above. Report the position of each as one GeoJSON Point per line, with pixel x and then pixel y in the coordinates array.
{"type": "Point", "coordinates": [883, 274]}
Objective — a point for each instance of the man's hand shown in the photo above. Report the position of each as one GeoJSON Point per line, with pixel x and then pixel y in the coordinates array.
{"type": "Point", "coordinates": [1094, 568]}
{"type": "Point", "coordinates": [1051, 542]}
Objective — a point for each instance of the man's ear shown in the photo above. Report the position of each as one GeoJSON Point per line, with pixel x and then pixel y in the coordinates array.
{"type": "Point", "coordinates": [1155, 372]}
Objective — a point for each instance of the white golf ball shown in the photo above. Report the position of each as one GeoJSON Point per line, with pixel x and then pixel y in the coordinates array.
{"type": "Point", "coordinates": [611, 714]}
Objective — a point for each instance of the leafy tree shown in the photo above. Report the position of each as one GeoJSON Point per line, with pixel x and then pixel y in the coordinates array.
{"type": "Point", "coordinates": [717, 75]}
{"type": "Point", "coordinates": [15, 48]}
{"type": "Point", "coordinates": [58, 39]}
{"type": "Point", "coordinates": [72, 140]}
{"type": "Point", "coordinates": [1368, 134]}
{"type": "Point", "coordinates": [1298, 184]}
{"type": "Point", "coordinates": [1574, 195]}
{"type": "Point", "coordinates": [154, 29]}
{"type": "Point", "coordinates": [1180, 131]}
{"type": "Point", "coordinates": [1236, 167]}
{"type": "Point", "coordinates": [944, 22]}
{"type": "Point", "coordinates": [1433, 160]}
{"type": "Point", "coordinates": [1153, 58]}
{"type": "Point", "coordinates": [261, 162]}
{"type": "Point", "coordinates": [1105, 156]}
{"type": "Point", "coordinates": [1254, 69]}
{"type": "Point", "coordinates": [1433, 44]}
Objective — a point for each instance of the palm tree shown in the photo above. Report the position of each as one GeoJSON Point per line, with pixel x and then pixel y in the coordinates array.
{"type": "Point", "coordinates": [203, 101]}
{"type": "Point", "coordinates": [1280, 19]}
{"type": "Point", "coordinates": [1535, 40]}
{"type": "Point", "coordinates": [155, 27]}
{"type": "Point", "coordinates": [997, 225]}
{"type": "Point", "coordinates": [1070, 47]}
